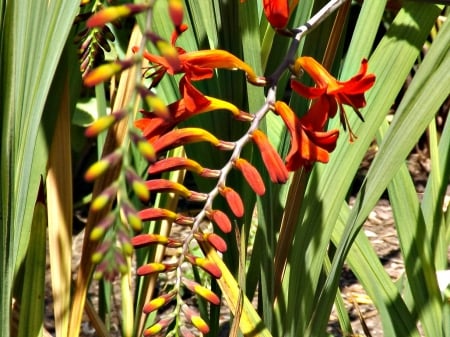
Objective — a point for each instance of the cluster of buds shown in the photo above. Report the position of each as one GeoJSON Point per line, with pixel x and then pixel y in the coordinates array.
{"type": "Point", "coordinates": [157, 133]}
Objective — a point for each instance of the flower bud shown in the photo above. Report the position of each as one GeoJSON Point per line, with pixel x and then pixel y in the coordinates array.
{"type": "Point", "coordinates": [252, 175]}
{"type": "Point", "coordinates": [100, 167]}
{"type": "Point", "coordinates": [114, 13]}
{"type": "Point", "coordinates": [274, 164]}
{"type": "Point", "coordinates": [220, 219]}
{"type": "Point", "coordinates": [138, 185]}
{"type": "Point", "coordinates": [99, 230]}
{"type": "Point", "coordinates": [207, 265]}
{"type": "Point", "coordinates": [234, 200]}
{"type": "Point", "coordinates": [142, 240]}
{"type": "Point", "coordinates": [201, 291]}
{"type": "Point", "coordinates": [104, 198]}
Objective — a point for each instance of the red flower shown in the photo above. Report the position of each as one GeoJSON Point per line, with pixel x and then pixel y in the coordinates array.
{"type": "Point", "coordinates": [331, 93]}
{"type": "Point", "coordinates": [278, 11]}
{"type": "Point", "coordinates": [308, 142]}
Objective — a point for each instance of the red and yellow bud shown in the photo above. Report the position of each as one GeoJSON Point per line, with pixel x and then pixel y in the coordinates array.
{"type": "Point", "coordinates": [221, 220]}
{"type": "Point", "coordinates": [156, 328]}
{"type": "Point", "coordinates": [99, 230]}
{"type": "Point", "coordinates": [234, 200]}
{"type": "Point", "coordinates": [184, 136]}
{"type": "Point", "coordinates": [114, 13]}
{"type": "Point", "coordinates": [103, 123]}
{"type": "Point", "coordinates": [100, 167]}
{"type": "Point", "coordinates": [207, 265]}
{"type": "Point", "coordinates": [104, 198]}
{"type": "Point", "coordinates": [201, 291]}
{"type": "Point", "coordinates": [252, 175]}
{"type": "Point", "coordinates": [274, 164]}
{"type": "Point", "coordinates": [105, 71]}
{"type": "Point", "coordinates": [142, 240]}
{"type": "Point", "coordinates": [144, 147]}
{"type": "Point", "coordinates": [138, 185]}
{"type": "Point", "coordinates": [158, 302]}
{"type": "Point", "coordinates": [195, 318]}
{"type": "Point", "coordinates": [176, 12]}
{"type": "Point", "coordinates": [150, 268]}
{"type": "Point", "coordinates": [155, 103]}
{"type": "Point", "coordinates": [100, 125]}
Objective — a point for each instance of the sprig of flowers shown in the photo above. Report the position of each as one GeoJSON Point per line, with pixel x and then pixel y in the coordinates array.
{"type": "Point", "coordinates": [310, 143]}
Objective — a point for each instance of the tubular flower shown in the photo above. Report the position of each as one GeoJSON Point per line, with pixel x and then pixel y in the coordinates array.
{"type": "Point", "coordinates": [277, 12]}
{"type": "Point", "coordinates": [308, 143]}
{"type": "Point", "coordinates": [331, 93]}
{"type": "Point", "coordinates": [274, 164]}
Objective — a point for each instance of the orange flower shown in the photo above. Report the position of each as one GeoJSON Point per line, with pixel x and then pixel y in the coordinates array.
{"type": "Point", "coordinates": [331, 93]}
{"type": "Point", "coordinates": [278, 11]}
{"type": "Point", "coordinates": [308, 143]}
{"type": "Point", "coordinates": [193, 103]}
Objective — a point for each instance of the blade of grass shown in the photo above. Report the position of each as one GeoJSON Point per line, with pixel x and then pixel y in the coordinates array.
{"type": "Point", "coordinates": [32, 308]}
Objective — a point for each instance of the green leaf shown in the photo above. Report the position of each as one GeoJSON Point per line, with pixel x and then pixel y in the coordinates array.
{"type": "Point", "coordinates": [32, 39]}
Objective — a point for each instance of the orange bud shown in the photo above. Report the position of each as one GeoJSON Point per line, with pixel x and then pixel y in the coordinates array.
{"type": "Point", "coordinates": [252, 175]}
{"type": "Point", "coordinates": [148, 239]}
{"type": "Point", "coordinates": [105, 71]}
{"type": "Point", "coordinates": [113, 13]}
{"type": "Point", "coordinates": [221, 220]}
{"type": "Point", "coordinates": [151, 268]}
{"type": "Point", "coordinates": [216, 241]}
{"type": "Point", "coordinates": [277, 12]}
{"type": "Point", "coordinates": [274, 164]}
{"type": "Point", "coordinates": [234, 200]}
